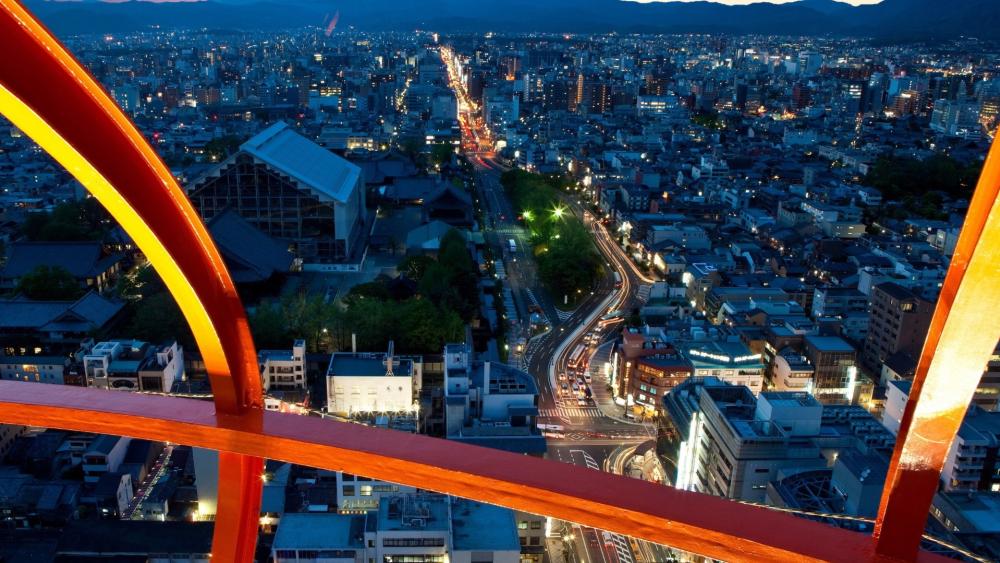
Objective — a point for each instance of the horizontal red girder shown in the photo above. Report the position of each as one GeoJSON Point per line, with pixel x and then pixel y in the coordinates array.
{"type": "Point", "coordinates": [694, 522]}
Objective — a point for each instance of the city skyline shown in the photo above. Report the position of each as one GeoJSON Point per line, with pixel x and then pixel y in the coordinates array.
{"type": "Point", "coordinates": [296, 291]}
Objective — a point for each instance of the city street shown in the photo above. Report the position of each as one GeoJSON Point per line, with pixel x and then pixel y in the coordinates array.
{"type": "Point", "coordinates": [593, 430]}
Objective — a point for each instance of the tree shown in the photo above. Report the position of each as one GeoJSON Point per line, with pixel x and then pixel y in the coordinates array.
{"type": "Point", "coordinates": [370, 290]}
{"type": "Point", "coordinates": [441, 154]}
{"type": "Point", "coordinates": [570, 264]}
{"type": "Point", "coordinates": [220, 148]}
{"type": "Point", "coordinates": [897, 177]}
{"type": "Point", "coordinates": [50, 283]}
{"type": "Point", "coordinates": [69, 221]}
{"type": "Point", "coordinates": [268, 327]}
{"type": "Point", "coordinates": [158, 318]}
{"type": "Point", "coordinates": [425, 328]}
{"type": "Point", "coordinates": [415, 266]}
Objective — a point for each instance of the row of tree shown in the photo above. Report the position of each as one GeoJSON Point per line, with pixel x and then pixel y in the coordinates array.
{"type": "Point", "coordinates": [426, 307]}
{"type": "Point", "coordinates": [69, 221]}
{"type": "Point", "coordinates": [898, 177]}
{"type": "Point", "coordinates": [568, 262]}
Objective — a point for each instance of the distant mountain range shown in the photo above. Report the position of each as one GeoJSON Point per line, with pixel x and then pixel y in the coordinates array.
{"type": "Point", "coordinates": [891, 19]}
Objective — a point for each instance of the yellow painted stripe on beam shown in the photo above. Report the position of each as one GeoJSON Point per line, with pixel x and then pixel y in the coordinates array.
{"type": "Point", "coordinates": [25, 119]}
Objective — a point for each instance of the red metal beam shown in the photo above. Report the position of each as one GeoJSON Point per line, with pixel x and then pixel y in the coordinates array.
{"type": "Point", "coordinates": [694, 522]}
{"type": "Point", "coordinates": [962, 337]}
{"type": "Point", "coordinates": [52, 98]}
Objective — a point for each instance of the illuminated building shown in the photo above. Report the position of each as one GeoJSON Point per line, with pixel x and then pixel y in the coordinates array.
{"type": "Point", "coordinates": [836, 379]}
{"type": "Point", "coordinates": [357, 494]}
{"type": "Point", "coordinates": [957, 118]}
{"type": "Point", "coordinates": [731, 444]}
{"type": "Point", "coordinates": [371, 382]}
{"type": "Point", "coordinates": [87, 262]}
{"type": "Point", "coordinates": [134, 365]}
{"type": "Point", "coordinates": [726, 358]}
{"type": "Point", "coordinates": [647, 370]}
{"type": "Point", "coordinates": [40, 369]}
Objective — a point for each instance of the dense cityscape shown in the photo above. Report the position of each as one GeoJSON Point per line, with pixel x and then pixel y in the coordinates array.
{"type": "Point", "coordinates": [706, 261]}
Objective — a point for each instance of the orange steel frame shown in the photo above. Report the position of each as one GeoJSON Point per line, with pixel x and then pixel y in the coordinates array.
{"type": "Point", "coordinates": [52, 98]}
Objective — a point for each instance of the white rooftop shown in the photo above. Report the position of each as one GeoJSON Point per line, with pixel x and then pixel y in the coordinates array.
{"type": "Point", "coordinates": [311, 165]}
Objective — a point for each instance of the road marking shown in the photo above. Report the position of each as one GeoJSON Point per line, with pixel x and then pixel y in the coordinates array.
{"type": "Point", "coordinates": [588, 459]}
{"type": "Point", "coordinates": [570, 412]}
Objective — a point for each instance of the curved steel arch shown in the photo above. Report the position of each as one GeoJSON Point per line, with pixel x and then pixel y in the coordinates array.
{"type": "Point", "coordinates": [45, 92]}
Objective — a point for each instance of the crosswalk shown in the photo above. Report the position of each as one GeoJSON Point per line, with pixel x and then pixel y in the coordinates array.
{"type": "Point", "coordinates": [642, 294]}
{"type": "Point", "coordinates": [509, 230]}
{"type": "Point", "coordinates": [571, 412]}
{"type": "Point", "coordinates": [563, 315]}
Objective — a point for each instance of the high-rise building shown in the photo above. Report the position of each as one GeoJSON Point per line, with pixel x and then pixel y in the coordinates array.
{"type": "Point", "coordinates": [801, 95]}
{"type": "Point", "coordinates": [810, 63]}
{"type": "Point", "coordinates": [899, 322]}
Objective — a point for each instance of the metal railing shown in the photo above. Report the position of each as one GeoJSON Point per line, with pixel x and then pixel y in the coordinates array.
{"type": "Point", "coordinates": [48, 95]}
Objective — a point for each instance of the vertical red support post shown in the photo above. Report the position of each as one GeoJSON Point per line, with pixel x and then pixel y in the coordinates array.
{"type": "Point", "coordinates": [963, 335]}
{"type": "Point", "coordinates": [46, 93]}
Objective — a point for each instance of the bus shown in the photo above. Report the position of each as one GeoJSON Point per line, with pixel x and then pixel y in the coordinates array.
{"type": "Point", "coordinates": [578, 359]}
{"type": "Point", "coordinates": [513, 246]}
{"type": "Point", "coordinates": [618, 280]}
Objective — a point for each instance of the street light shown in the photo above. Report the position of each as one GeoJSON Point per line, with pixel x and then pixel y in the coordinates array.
{"type": "Point", "coordinates": [558, 212]}
{"type": "Point", "coordinates": [527, 215]}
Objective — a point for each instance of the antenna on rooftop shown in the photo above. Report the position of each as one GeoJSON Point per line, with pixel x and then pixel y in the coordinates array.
{"type": "Point", "coordinates": [388, 359]}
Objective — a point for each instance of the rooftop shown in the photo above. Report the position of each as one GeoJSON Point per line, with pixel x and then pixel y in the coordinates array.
{"type": "Point", "coordinates": [315, 530]}
{"type": "Point", "coordinates": [830, 344]}
{"type": "Point", "coordinates": [410, 512]}
{"type": "Point", "coordinates": [482, 527]}
{"type": "Point", "coordinates": [305, 161]}
{"type": "Point", "coordinates": [367, 364]}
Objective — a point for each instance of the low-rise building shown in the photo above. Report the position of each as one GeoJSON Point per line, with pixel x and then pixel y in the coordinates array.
{"type": "Point", "coordinates": [490, 404]}
{"type": "Point", "coordinates": [729, 443]}
{"type": "Point", "coordinates": [373, 382]}
{"type": "Point", "coordinates": [132, 365]}
{"type": "Point", "coordinates": [37, 369]}
{"type": "Point", "coordinates": [729, 359]}
{"type": "Point", "coordinates": [417, 527]}
{"type": "Point", "coordinates": [282, 369]}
